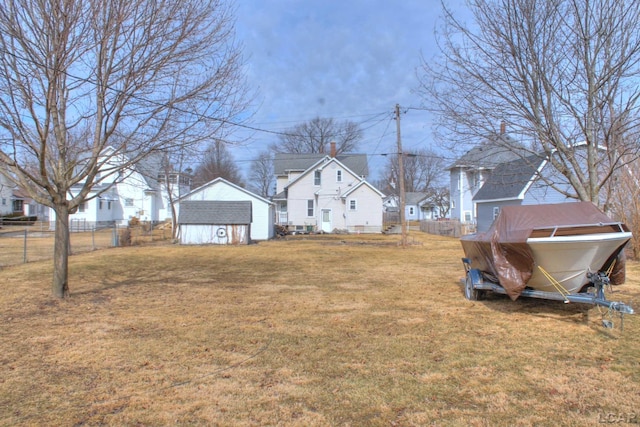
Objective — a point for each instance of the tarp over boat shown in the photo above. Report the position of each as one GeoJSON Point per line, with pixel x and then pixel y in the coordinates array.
{"type": "Point", "coordinates": [502, 252]}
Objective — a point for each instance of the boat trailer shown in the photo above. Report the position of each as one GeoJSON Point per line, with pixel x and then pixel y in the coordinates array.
{"type": "Point", "coordinates": [475, 285]}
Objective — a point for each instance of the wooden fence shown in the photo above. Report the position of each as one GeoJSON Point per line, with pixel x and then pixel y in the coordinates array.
{"type": "Point", "coordinates": [447, 228]}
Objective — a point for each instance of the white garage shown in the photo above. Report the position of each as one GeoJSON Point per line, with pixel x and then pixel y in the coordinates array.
{"type": "Point", "coordinates": [204, 222]}
{"type": "Point", "coordinates": [221, 190]}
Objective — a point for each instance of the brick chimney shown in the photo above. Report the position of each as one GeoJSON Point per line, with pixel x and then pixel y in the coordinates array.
{"type": "Point", "coordinates": [333, 149]}
{"type": "Point", "coordinates": [503, 128]}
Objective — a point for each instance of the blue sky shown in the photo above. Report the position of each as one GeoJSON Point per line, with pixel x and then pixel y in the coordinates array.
{"type": "Point", "coordinates": [349, 60]}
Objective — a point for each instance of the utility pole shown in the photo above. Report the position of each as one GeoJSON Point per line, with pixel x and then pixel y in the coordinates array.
{"type": "Point", "coordinates": [403, 222]}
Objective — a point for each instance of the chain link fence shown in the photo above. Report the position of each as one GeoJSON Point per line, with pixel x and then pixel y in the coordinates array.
{"type": "Point", "coordinates": [22, 244]}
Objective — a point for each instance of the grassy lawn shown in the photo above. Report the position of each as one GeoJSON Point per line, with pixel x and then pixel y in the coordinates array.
{"type": "Point", "coordinates": [310, 330]}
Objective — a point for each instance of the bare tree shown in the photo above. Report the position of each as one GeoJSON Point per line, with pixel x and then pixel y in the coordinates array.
{"type": "Point", "coordinates": [625, 201]}
{"type": "Point", "coordinates": [559, 73]}
{"type": "Point", "coordinates": [78, 77]}
{"type": "Point", "coordinates": [316, 135]}
{"type": "Point", "coordinates": [262, 175]}
{"type": "Point", "coordinates": [217, 162]}
{"type": "Point", "coordinates": [441, 198]}
{"type": "Point", "coordinates": [422, 169]}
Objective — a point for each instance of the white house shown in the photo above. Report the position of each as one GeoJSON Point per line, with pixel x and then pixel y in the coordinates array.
{"type": "Point", "coordinates": [140, 191]}
{"type": "Point", "coordinates": [262, 210]}
{"type": "Point", "coordinates": [468, 173]}
{"type": "Point", "coordinates": [6, 193]}
{"type": "Point", "coordinates": [318, 192]}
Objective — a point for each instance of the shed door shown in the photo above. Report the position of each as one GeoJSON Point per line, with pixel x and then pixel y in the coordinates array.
{"type": "Point", "coordinates": [326, 220]}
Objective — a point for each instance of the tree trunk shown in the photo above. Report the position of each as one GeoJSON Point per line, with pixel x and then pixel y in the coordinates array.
{"type": "Point", "coordinates": [60, 286]}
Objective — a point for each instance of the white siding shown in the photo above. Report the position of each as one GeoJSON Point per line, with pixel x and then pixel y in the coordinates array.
{"type": "Point", "coordinates": [368, 215]}
{"type": "Point", "coordinates": [192, 234]}
{"type": "Point", "coordinates": [262, 212]}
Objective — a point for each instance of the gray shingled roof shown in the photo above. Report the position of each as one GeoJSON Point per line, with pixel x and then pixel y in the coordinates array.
{"type": "Point", "coordinates": [412, 198]}
{"type": "Point", "coordinates": [289, 162]}
{"type": "Point", "coordinates": [490, 154]}
{"type": "Point", "coordinates": [509, 179]}
{"type": "Point", "coordinates": [214, 212]}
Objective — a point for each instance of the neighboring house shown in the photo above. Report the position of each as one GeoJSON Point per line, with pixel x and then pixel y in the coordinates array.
{"type": "Point", "coordinates": [390, 203]}
{"type": "Point", "coordinates": [6, 196]}
{"type": "Point", "coordinates": [318, 192]}
{"type": "Point", "coordinates": [141, 192]}
{"type": "Point", "coordinates": [214, 222]}
{"type": "Point", "coordinates": [518, 182]}
{"type": "Point", "coordinates": [418, 206]}
{"type": "Point", "coordinates": [262, 213]}
{"type": "Point", "coordinates": [24, 204]}
{"type": "Point", "coordinates": [15, 201]}
{"type": "Point", "coordinates": [472, 170]}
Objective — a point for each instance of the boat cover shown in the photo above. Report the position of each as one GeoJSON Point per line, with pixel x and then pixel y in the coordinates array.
{"type": "Point", "coordinates": [502, 251]}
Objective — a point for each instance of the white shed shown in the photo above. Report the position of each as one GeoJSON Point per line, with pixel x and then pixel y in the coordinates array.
{"type": "Point", "coordinates": [262, 210]}
{"type": "Point", "coordinates": [212, 222]}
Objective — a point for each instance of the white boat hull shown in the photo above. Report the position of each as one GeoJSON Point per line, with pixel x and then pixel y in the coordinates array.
{"type": "Point", "coordinates": [568, 259]}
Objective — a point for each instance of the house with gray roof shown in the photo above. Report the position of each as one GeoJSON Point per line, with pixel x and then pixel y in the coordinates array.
{"type": "Point", "coordinates": [324, 193]}
{"type": "Point", "coordinates": [469, 172]}
{"type": "Point", "coordinates": [523, 181]}
{"type": "Point", "coordinates": [418, 206]}
{"type": "Point", "coordinates": [214, 222]}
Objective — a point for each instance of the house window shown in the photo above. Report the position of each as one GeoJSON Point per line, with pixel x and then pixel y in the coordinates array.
{"type": "Point", "coordinates": [453, 204]}
{"type": "Point", "coordinates": [467, 216]}
{"type": "Point", "coordinates": [316, 177]}
{"type": "Point", "coordinates": [17, 205]}
{"type": "Point", "coordinates": [4, 202]}
{"type": "Point", "coordinates": [496, 212]}
{"type": "Point", "coordinates": [310, 211]}
{"type": "Point", "coordinates": [128, 202]}
{"type": "Point", "coordinates": [100, 204]}
{"type": "Point", "coordinates": [353, 205]}
{"type": "Point", "coordinates": [412, 210]}
{"type": "Point", "coordinates": [338, 176]}
{"type": "Point", "coordinates": [109, 205]}
{"type": "Point", "coordinates": [82, 207]}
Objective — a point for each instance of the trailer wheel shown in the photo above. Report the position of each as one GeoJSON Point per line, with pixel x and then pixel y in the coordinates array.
{"type": "Point", "coordinates": [471, 293]}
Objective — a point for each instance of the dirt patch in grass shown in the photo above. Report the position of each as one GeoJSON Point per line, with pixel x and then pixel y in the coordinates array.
{"type": "Point", "coordinates": [342, 330]}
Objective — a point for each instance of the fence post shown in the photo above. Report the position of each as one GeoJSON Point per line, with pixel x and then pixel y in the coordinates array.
{"type": "Point", "coordinates": [114, 238]}
{"type": "Point", "coordinates": [24, 257]}
{"type": "Point", "coordinates": [93, 239]}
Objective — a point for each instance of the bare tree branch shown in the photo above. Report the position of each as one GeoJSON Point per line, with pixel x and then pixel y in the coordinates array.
{"type": "Point", "coordinates": [560, 74]}
{"type": "Point", "coordinates": [139, 76]}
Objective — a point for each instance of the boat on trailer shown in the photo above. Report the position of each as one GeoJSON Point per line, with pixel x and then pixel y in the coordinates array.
{"type": "Point", "coordinates": [567, 252]}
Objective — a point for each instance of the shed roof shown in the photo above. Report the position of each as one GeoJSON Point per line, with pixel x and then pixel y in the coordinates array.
{"type": "Point", "coordinates": [214, 212]}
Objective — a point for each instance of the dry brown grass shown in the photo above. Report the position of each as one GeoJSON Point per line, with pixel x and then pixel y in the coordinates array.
{"type": "Point", "coordinates": [319, 330]}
